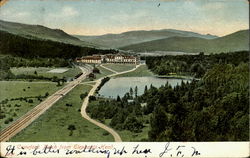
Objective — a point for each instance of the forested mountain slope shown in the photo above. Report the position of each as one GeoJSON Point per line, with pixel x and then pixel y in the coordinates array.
{"type": "Point", "coordinates": [237, 41]}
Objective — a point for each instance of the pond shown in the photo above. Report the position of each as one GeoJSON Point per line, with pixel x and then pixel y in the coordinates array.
{"type": "Point", "coordinates": [120, 86]}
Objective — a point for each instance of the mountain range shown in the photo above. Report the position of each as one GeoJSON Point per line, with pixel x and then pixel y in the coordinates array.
{"type": "Point", "coordinates": [137, 41]}
{"type": "Point", "coordinates": [41, 32]}
{"type": "Point", "coordinates": [233, 42]}
{"type": "Point", "coordinates": [135, 37]}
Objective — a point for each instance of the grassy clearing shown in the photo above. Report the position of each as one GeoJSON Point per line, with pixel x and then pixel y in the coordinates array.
{"type": "Point", "coordinates": [43, 71]}
{"type": "Point", "coordinates": [103, 72]}
{"type": "Point", "coordinates": [120, 67]}
{"type": "Point", "coordinates": [88, 83]}
{"type": "Point", "coordinates": [142, 71]}
{"type": "Point", "coordinates": [12, 97]}
{"type": "Point", "coordinates": [53, 125]}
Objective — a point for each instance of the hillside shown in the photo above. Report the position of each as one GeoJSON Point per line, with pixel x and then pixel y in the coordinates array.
{"type": "Point", "coordinates": [41, 32]}
{"type": "Point", "coordinates": [16, 45]}
{"type": "Point", "coordinates": [134, 37]}
{"type": "Point", "coordinates": [234, 42]}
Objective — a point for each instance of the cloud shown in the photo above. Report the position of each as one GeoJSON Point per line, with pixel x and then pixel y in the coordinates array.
{"type": "Point", "coordinates": [126, 16]}
{"type": "Point", "coordinates": [69, 11]}
{"type": "Point", "coordinates": [65, 12]}
{"type": "Point", "coordinates": [14, 15]}
{"type": "Point", "coordinates": [214, 5]}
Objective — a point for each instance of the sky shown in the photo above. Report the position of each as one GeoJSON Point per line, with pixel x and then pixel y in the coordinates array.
{"type": "Point", "coordinates": [97, 17]}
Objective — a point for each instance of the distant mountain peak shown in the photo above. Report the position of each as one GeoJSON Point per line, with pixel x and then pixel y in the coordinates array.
{"type": "Point", "coordinates": [41, 32]}
{"type": "Point", "coordinates": [139, 36]}
{"type": "Point", "coordinates": [237, 41]}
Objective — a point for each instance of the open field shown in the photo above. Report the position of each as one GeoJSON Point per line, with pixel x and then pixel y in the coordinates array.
{"type": "Point", "coordinates": [58, 70]}
{"type": "Point", "coordinates": [139, 72]}
{"type": "Point", "coordinates": [120, 67]}
{"type": "Point", "coordinates": [44, 71]}
{"type": "Point", "coordinates": [17, 98]}
{"type": "Point", "coordinates": [103, 72]}
{"type": "Point", "coordinates": [56, 121]}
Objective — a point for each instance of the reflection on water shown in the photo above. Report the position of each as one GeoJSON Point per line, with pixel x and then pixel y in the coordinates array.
{"type": "Point", "coordinates": [120, 86]}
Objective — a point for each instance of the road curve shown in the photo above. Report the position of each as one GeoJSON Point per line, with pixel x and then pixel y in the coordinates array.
{"type": "Point", "coordinates": [86, 102]}
{"type": "Point", "coordinates": [38, 110]}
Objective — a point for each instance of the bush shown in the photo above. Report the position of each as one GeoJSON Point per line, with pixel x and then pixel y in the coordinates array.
{"type": "Point", "coordinates": [17, 105]}
{"type": "Point", "coordinates": [71, 128]}
{"type": "Point", "coordinates": [133, 124]}
{"type": "Point", "coordinates": [2, 116]}
{"type": "Point", "coordinates": [83, 95]}
{"type": "Point", "coordinates": [92, 98]}
{"type": "Point", "coordinates": [69, 105]}
{"type": "Point", "coordinates": [8, 120]}
{"type": "Point", "coordinates": [30, 101]}
{"type": "Point", "coordinates": [96, 70]}
{"type": "Point", "coordinates": [46, 94]}
{"type": "Point", "coordinates": [105, 133]}
{"type": "Point", "coordinates": [11, 119]}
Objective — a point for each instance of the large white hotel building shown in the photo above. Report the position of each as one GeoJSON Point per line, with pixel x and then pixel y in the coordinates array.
{"type": "Point", "coordinates": [110, 58]}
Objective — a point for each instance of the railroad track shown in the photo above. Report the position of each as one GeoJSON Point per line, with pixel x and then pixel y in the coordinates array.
{"type": "Point", "coordinates": [34, 113]}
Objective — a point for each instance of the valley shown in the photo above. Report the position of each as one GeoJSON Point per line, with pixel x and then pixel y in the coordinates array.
{"type": "Point", "coordinates": [158, 85]}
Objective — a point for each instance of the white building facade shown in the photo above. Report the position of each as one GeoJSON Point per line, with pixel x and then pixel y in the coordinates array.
{"type": "Point", "coordinates": [110, 58]}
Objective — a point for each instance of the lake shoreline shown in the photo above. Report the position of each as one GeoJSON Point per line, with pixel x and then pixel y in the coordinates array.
{"type": "Point", "coordinates": [174, 77]}
{"type": "Point", "coordinates": [120, 86]}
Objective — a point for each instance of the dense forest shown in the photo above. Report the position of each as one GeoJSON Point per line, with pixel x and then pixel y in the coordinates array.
{"type": "Point", "coordinates": [194, 65]}
{"type": "Point", "coordinates": [123, 114]}
{"type": "Point", "coordinates": [18, 51]}
{"type": "Point", "coordinates": [26, 47]}
{"type": "Point", "coordinates": [214, 108]}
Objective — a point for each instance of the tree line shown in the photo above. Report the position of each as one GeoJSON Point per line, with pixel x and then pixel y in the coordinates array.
{"type": "Point", "coordinates": [124, 115]}
{"type": "Point", "coordinates": [26, 47]}
{"type": "Point", "coordinates": [213, 108]}
{"type": "Point", "coordinates": [194, 65]}
{"type": "Point", "coordinates": [18, 51]}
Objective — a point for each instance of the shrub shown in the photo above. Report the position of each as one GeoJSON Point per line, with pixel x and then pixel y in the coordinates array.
{"type": "Point", "coordinates": [10, 119]}
{"type": "Point", "coordinates": [69, 105]}
{"type": "Point", "coordinates": [96, 70]}
{"type": "Point", "coordinates": [105, 133]}
{"type": "Point", "coordinates": [46, 94]}
{"type": "Point", "coordinates": [83, 95]}
{"type": "Point", "coordinates": [92, 98]}
{"type": "Point", "coordinates": [2, 116]}
{"type": "Point", "coordinates": [71, 128]}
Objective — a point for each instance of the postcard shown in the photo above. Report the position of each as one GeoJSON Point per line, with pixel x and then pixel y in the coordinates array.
{"type": "Point", "coordinates": [124, 78]}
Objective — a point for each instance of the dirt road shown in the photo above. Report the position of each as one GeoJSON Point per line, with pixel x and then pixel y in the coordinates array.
{"type": "Point", "coordinates": [85, 103]}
